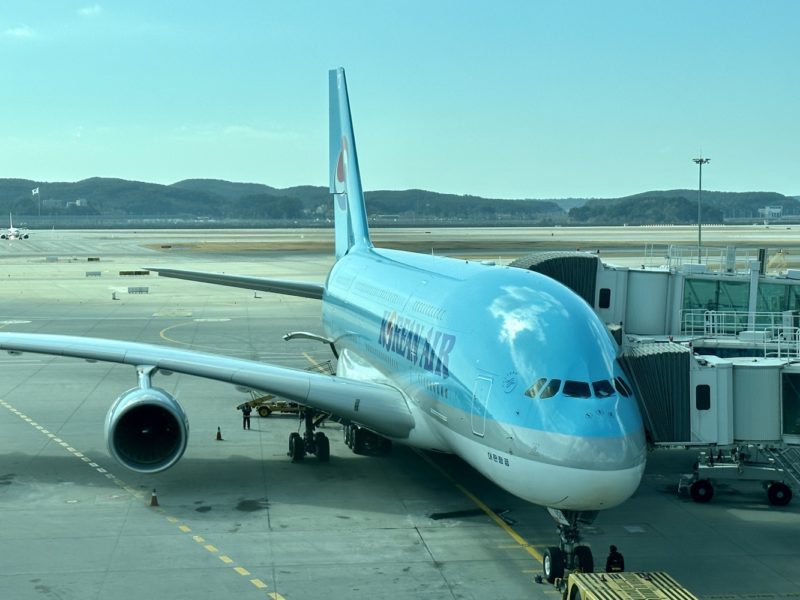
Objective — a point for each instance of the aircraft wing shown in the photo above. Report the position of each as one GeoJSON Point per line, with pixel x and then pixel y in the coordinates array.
{"type": "Point", "coordinates": [379, 407]}
{"type": "Point", "coordinates": [304, 289]}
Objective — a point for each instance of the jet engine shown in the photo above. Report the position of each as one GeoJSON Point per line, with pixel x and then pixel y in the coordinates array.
{"type": "Point", "coordinates": [146, 430]}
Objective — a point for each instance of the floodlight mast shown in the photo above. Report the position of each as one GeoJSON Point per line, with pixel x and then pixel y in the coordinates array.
{"type": "Point", "coordinates": [700, 162]}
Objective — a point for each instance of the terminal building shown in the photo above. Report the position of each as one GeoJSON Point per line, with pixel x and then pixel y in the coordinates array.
{"type": "Point", "coordinates": [712, 344]}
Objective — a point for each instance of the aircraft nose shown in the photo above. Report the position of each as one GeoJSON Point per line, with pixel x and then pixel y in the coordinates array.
{"type": "Point", "coordinates": [590, 489]}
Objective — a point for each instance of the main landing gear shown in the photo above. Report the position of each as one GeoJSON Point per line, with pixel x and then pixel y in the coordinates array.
{"type": "Point", "coordinates": [363, 441]}
{"type": "Point", "coordinates": [570, 553]}
{"type": "Point", "coordinates": [311, 442]}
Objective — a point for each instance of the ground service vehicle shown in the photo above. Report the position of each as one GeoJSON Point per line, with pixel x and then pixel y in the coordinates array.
{"type": "Point", "coordinates": [655, 585]}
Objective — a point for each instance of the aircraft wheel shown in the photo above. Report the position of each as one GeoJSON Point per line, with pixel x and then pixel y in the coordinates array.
{"type": "Point", "coordinates": [583, 559]}
{"type": "Point", "coordinates": [553, 564]}
{"type": "Point", "coordinates": [323, 447]}
{"type": "Point", "coordinates": [702, 491]}
{"type": "Point", "coordinates": [348, 436]}
{"type": "Point", "coordinates": [297, 448]}
{"type": "Point", "coordinates": [264, 411]}
{"type": "Point", "coordinates": [359, 437]}
{"type": "Point", "coordinates": [779, 494]}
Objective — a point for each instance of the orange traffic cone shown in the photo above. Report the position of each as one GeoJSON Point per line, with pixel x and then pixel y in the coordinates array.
{"type": "Point", "coordinates": [219, 435]}
{"type": "Point", "coordinates": [154, 498]}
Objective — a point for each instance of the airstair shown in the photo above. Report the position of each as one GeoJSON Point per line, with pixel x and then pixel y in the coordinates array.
{"type": "Point", "coordinates": [788, 459]}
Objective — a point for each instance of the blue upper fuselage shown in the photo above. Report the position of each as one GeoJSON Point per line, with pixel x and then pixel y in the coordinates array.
{"type": "Point", "coordinates": [516, 354]}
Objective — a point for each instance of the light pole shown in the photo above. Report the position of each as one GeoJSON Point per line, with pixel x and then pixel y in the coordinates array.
{"type": "Point", "coordinates": [700, 162]}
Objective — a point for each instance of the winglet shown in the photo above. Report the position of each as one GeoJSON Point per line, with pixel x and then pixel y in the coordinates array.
{"type": "Point", "coordinates": [350, 215]}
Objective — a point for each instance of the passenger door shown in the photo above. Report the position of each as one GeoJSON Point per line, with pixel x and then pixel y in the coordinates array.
{"type": "Point", "coordinates": [480, 401]}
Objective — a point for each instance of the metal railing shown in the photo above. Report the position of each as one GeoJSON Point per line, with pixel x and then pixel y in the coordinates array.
{"type": "Point", "coordinates": [777, 333]}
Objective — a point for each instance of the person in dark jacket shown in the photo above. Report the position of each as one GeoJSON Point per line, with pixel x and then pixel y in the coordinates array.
{"type": "Point", "coordinates": [246, 410]}
{"type": "Point", "coordinates": [615, 563]}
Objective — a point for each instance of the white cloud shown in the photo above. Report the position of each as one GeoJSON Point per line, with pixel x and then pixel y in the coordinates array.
{"type": "Point", "coordinates": [20, 32]}
{"type": "Point", "coordinates": [90, 11]}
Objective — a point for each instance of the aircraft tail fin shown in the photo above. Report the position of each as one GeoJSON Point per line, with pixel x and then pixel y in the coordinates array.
{"type": "Point", "coordinates": [350, 215]}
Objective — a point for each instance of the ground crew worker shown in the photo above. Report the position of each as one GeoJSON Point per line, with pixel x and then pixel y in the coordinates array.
{"type": "Point", "coordinates": [246, 410]}
{"type": "Point", "coordinates": [615, 563]}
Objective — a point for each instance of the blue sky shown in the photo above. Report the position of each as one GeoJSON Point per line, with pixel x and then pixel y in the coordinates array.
{"type": "Point", "coordinates": [510, 99]}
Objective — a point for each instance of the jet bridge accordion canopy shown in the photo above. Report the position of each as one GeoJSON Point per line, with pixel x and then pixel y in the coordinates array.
{"type": "Point", "coordinates": [576, 270]}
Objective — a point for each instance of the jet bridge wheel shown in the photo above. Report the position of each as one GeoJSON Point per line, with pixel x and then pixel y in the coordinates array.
{"type": "Point", "coordinates": [779, 494]}
{"type": "Point", "coordinates": [702, 491]}
{"type": "Point", "coordinates": [553, 564]}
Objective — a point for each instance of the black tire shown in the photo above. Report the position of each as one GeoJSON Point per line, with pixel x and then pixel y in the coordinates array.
{"type": "Point", "coordinates": [264, 411]}
{"type": "Point", "coordinates": [702, 491]}
{"type": "Point", "coordinates": [583, 559]}
{"type": "Point", "coordinates": [385, 446]}
{"type": "Point", "coordinates": [553, 564]}
{"type": "Point", "coordinates": [348, 436]}
{"type": "Point", "coordinates": [359, 437]}
{"type": "Point", "coordinates": [297, 448]}
{"type": "Point", "coordinates": [779, 494]}
{"type": "Point", "coordinates": [323, 446]}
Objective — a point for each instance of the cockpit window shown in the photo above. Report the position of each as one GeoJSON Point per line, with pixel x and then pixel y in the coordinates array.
{"type": "Point", "coordinates": [551, 389]}
{"type": "Point", "coordinates": [577, 389]}
{"type": "Point", "coordinates": [622, 387]}
{"type": "Point", "coordinates": [534, 389]}
{"type": "Point", "coordinates": [603, 388]}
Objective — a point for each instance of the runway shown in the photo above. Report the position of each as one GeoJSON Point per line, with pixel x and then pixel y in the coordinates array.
{"type": "Point", "coordinates": [236, 517]}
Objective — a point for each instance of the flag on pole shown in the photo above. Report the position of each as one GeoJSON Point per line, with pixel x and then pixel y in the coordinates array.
{"type": "Point", "coordinates": [35, 192]}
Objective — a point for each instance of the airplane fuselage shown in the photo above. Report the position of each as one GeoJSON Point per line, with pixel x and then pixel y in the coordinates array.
{"type": "Point", "coordinates": [465, 342]}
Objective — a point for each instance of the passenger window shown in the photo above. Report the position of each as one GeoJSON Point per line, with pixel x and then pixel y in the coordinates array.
{"type": "Point", "coordinates": [577, 389]}
{"type": "Point", "coordinates": [551, 389]}
{"type": "Point", "coordinates": [603, 388]}
{"type": "Point", "coordinates": [534, 389]}
{"type": "Point", "coordinates": [703, 397]}
{"type": "Point", "coordinates": [622, 387]}
{"type": "Point", "coordinates": [604, 300]}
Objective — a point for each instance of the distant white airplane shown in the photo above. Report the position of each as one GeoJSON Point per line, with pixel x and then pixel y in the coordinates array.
{"type": "Point", "coordinates": [504, 367]}
{"type": "Point", "coordinates": [12, 233]}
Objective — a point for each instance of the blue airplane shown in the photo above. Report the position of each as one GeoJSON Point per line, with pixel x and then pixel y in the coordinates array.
{"type": "Point", "coordinates": [506, 368]}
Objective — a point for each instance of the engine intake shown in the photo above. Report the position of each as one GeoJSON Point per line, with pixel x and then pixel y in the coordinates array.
{"type": "Point", "coordinates": [146, 430]}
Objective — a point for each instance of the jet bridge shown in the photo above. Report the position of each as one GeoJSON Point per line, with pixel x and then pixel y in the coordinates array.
{"type": "Point", "coordinates": [744, 413]}
{"type": "Point", "coordinates": [576, 270]}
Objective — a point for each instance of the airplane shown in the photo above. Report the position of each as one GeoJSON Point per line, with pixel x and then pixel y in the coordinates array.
{"type": "Point", "coordinates": [503, 367]}
{"type": "Point", "coordinates": [12, 233]}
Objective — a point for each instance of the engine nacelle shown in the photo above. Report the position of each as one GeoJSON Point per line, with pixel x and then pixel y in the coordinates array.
{"type": "Point", "coordinates": [146, 430]}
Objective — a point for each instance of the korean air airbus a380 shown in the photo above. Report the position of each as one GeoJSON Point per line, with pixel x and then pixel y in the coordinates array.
{"type": "Point", "coordinates": [504, 367]}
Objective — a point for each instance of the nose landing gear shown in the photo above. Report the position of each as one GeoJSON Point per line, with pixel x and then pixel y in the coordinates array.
{"type": "Point", "coordinates": [570, 554]}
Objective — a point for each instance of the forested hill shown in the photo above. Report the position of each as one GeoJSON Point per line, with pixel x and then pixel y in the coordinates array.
{"type": "Point", "coordinates": [679, 207]}
{"type": "Point", "coordinates": [217, 200]}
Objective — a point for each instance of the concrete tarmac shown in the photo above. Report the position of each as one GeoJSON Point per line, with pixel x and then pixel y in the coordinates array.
{"type": "Point", "coordinates": [236, 517]}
